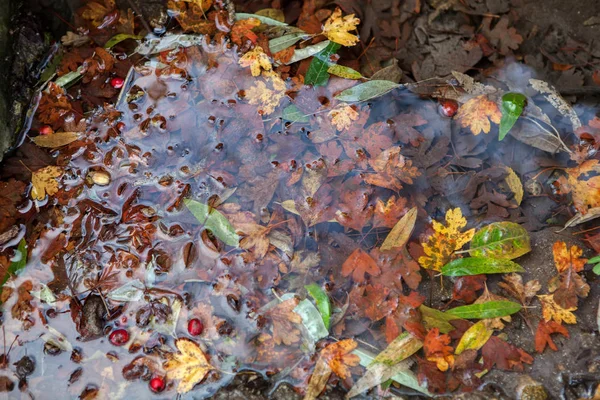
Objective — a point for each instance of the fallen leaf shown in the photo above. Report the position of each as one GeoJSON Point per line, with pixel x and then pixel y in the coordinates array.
{"type": "Point", "coordinates": [11, 194]}
{"type": "Point", "coordinates": [477, 113]}
{"type": "Point", "coordinates": [475, 337]}
{"type": "Point", "coordinates": [44, 182]}
{"type": "Point", "coordinates": [387, 214]}
{"type": "Point", "coordinates": [513, 285]}
{"type": "Point", "coordinates": [505, 240]}
{"type": "Point", "coordinates": [514, 184]}
{"type": "Point", "coordinates": [568, 258]}
{"type": "Point", "coordinates": [552, 311]}
{"type": "Point", "coordinates": [337, 28]}
{"type": "Point", "coordinates": [437, 350]}
{"type": "Point", "coordinates": [267, 93]}
{"type": "Point", "coordinates": [543, 332]}
{"type": "Point", "coordinates": [189, 366]}
{"type": "Point", "coordinates": [257, 60]}
{"type": "Point", "coordinates": [401, 232]}
{"type": "Point", "coordinates": [392, 170]}
{"type": "Point", "coordinates": [243, 29]}
{"type": "Point", "coordinates": [503, 355]}
{"type": "Point", "coordinates": [358, 264]}
{"type": "Point", "coordinates": [56, 139]}
{"type": "Point", "coordinates": [284, 320]}
{"type": "Point", "coordinates": [342, 116]}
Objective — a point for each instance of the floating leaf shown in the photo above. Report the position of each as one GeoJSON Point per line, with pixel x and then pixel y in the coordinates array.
{"type": "Point", "coordinates": [113, 41]}
{"type": "Point", "coordinates": [213, 220]}
{"type": "Point", "coordinates": [367, 90]}
{"type": "Point", "coordinates": [512, 108]}
{"type": "Point", "coordinates": [344, 72]}
{"type": "Point", "coordinates": [312, 320]}
{"type": "Point", "coordinates": [265, 20]}
{"type": "Point", "coordinates": [401, 232]}
{"type": "Point", "coordinates": [404, 346]}
{"type": "Point", "coordinates": [322, 300]}
{"type": "Point", "coordinates": [479, 265]}
{"type": "Point", "coordinates": [503, 240]}
{"type": "Point", "coordinates": [55, 140]}
{"type": "Point", "coordinates": [477, 113]}
{"type": "Point", "coordinates": [281, 43]}
{"type": "Point", "coordinates": [293, 114]}
{"type": "Point", "coordinates": [475, 337]}
{"type": "Point", "coordinates": [317, 74]}
{"type": "Point", "coordinates": [131, 291]}
{"type": "Point", "coordinates": [70, 78]}
{"type": "Point", "coordinates": [490, 309]}
{"type": "Point", "coordinates": [189, 365]}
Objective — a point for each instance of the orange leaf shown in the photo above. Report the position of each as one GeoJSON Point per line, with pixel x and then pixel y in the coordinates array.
{"type": "Point", "coordinates": [567, 259]}
{"type": "Point", "coordinates": [437, 350]}
{"type": "Point", "coordinates": [358, 264]}
{"type": "Point", "coordinates": [243, 29]}
{"type": "Point", "coordinates": [477, 113]}
{"type": "Point", "coordinates": [339, 358]}
{"type": "Point", "coordinates": [284, 318]}
{"type": "Point", "coordinates": [542, 335]}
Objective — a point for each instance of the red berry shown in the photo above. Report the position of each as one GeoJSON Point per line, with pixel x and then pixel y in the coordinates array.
{"type": "Point", "coordinates": [117, 82]}
{"type": "Point", "coordinates": [46, 130]}
{"type": "Point", "coordinates": [448, 108]}
{"type": "Point", "coordinates": [157, 384]}
{"type": "Point", "coordinates": [195, 327]}
{"type": "Point", "coordinates": [119, 337]}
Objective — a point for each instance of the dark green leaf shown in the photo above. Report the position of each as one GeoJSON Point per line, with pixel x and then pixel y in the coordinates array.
{"type": "Point", "coordinates": [292, 114]}
{"type": "Point", "coordinates": [18, 265]}
{"type": "Point", "coordinates": [512, 108]}
{"type": "Point", "coordinates": [113, 41]}
{"type": "Point", "coordinates": [213, 220]}
{"type": "Point", "coordinates": [490, 309]}
{"type": "Point", "coordinates": [480, 265]}
{"type": "Point", "coordinates": [322, 300]}
{"type": "Point", "coordinates": [317, 74]}
{"type": "Point", "coordinates": [505, 240]}
{"type": "Point", "coordinates": [366, 91]}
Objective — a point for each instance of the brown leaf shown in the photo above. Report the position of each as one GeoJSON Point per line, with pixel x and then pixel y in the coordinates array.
{"type": "Point", "coordinates": [358, 264]}
{"type": "Point", "coordinates": [284, 318]}
{"type": "Point", "coordinates": [543, 332]}
{"type": "Point", "coordinates": [11, 194]}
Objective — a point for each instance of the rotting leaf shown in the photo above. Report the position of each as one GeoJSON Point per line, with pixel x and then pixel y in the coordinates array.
{"type": "Point", "coordinates": [479, 265]}
{"type": "Point", "coordinates": [512, 108]}
{"type": "Point", "coordinates": [404, 346]}
{"type": "Point", "coordinates": [215, 221]}
{"type": "Point", "coordinates": [490, 309]}
{"type": "Point", "coordinates": [344, 72]}
{"type": "Point", "coordinates": [284, 318]}
{"type": "Point", "coordinates": [312, 320]}
{"type": "Point", "coordinates": [358, 264]}
{"type": "Point", "coordinates": [515, 185]}
{"type": "Point", "coordinates": [502, 240]}
{"type": "Point", "coordinates": [189, 365]}
{"type": "Point", "coordinates": [437, 350]}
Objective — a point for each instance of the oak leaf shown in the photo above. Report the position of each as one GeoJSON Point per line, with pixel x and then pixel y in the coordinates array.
{"type": "Point", "coordinates": [337, 28]}
{"type": "Point", "coordinates": [437, 350]}
{"type": "Point", "coordinates": [284, 318]}
{"type": "Point", "coordinates": [477, 113]}
{"type": "Point", "coordinates": [358, 264]}
{"type": "Point", "coordinates": [543, 332]}
{"type": "Point", "coordinates": [189, 366]}
{"type": "Point", "coordinates": [446, 239]}
{"type": "Point", "coordinates": [342, 116]}
{"type": "Point", "coordinates": [552, 311]}
{"type": "Point", "coordinates": [44, 182]}
{"type": "Point", "coordinates": [257, 60]}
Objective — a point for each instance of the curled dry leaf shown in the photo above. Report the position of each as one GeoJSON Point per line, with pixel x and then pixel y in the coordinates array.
{"type": "Point", "coordinates": [513, 285]}
{"type": "Point", "coordinates": [189, 366]}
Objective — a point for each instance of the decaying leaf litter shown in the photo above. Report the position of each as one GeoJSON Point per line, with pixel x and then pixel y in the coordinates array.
{"type": "Point", "coordinates": [237, 196]}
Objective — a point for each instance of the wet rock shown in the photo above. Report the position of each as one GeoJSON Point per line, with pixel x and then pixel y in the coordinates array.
{"type": "Point", "coordinates": [93, 316]}
{"type": "Point", "coordinates": [25, 367]}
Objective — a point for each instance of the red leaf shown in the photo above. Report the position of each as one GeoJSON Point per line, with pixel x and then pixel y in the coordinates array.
{"type": "Point", "coordinates": [504, 355]}
{"type": "Point", "coordinates": [466, 287]}
{"type": "Point", "coordinates": [431, 377]}
{"type": "Point", "coordinates": [436, 345]}
{"type": "Point", "coordinates": [358, 264]}
{"type": "Point", "coordinates": [542, 335]}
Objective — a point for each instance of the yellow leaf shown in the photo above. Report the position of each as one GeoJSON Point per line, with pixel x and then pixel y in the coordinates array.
{"type": "Point", "coordinates": [565, 259]}
{"type": "Point", "coordinates": [57, 139]}
{"type": "Point", "coordinates": [514, 184]}
{"type": "Point", "coordinates": [477, 113]}
{"type": "Point", "coordinates": [583, 182]}
{"type": "Point", "coordinates": [342, 116]}
{"type": "Point", "coordinates": [44, 182]}
{"type": "Point", "coordinates": [267, 93]}
{"type": "Point", "coordinates": [272, 13]}
{"type": "Point", "coordinates": [337, 29]}
{"type": "Point", "coordinates": [440, 247]}
{"type": "Point", "coordinates": [551, 310]}
{"type": "Point", "coordinates": [475, 337]}
{"type": "Point", "coordinates": [256, 59]}
{"type": "Point", "coordinates": [189, 365]}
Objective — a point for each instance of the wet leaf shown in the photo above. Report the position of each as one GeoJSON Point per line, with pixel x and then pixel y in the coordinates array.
{"type": "Point", "coordinates": [512, 108]}
{"type": "Point", "coordinates": [475, 337]}
{"type": "Point", "coordinates": [565, 259]}
{"type": "Point", "coordinates": [543, 332]}
{"type": "Point", "coordinates": [284, 318]}
{"type": "Point", "coordinates": [115, 40]}
{"type": "Point", "coordinates": [367, 91]}
{"type": "Point", "coordinates": [267, 93]}
{"type": "Point", "coordinates": [18, 265]}
{"type": "Point", "coordinates": [283, 42]}
{"type": "Point", "coordinates": [513, 285]}
{"type": "Point", "coordinates": [583, 182]}
{"type": "Point", "coordinates": [292, 114]}
{"type": "Point", "coordinates": [189, 365]}
{"type": "Point", "coordinates": [490, 309]}
{"type": "Point", "coordinates": [44, 182]}
{"type": "Point", "coordinates": [215, 221]}
{"type": "Point", "coordinates": [502, 240]}
{"type": "Point", "coordinates": [312, 320]}
{"type": "Point", "coordinates": [400, 349]}
{"type": "Point", "coordinates": [503, 355]}
{"type": "Point", "coordinates": [322, 300]}
{"type": "Point", "coordinates": [479, 265]}
{"type": "Point", "coordinates": [56, 139]}
{"type": "Point", "coordinates": [336, 358]}
{"type": "Point", "coordinates": [437, 350]}
{"type": "Point", "coordinates": [262, 18]}
{"type": "Point", "coordinates": [440, 320]}
{"type": "Point", "coordinates": [337, 28]}
{"type": "Point", "coordinates": [344, 72]}
{"type": "Point", "coordinates": [257, 60]}
{"type": "Point", "coordinates": [552, 311]}
{"type": "Point", "coordinates": [400, 233]}
{"type": "Point", "coordinates": [272, 13]}
{"type": "Point", "coordinates": [131, 291]}
{"type": "Point", "coordinates": [242, 30]}
{"type": "Point", "coordinates": [514, 184]}
{"type": "Point", "coordinates": [440, 246]}
{"type": "Point", "coordinates": [358, 264]}
{"type": "Point", "coordinates": [477, 113]}
{"type": "Point", "coordinates": [317, 74]}
{"type": "Point", "coordinates": [342, 116]}
{"type": "Point", "coordinates": [308, 51]}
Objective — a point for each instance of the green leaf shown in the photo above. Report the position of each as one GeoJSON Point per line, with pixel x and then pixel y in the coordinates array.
{"type": "Point", "coordinates": [322, 300]}
{"type": "Point", "coordinates": [596, 269]}
{"type": "Point", "coordinates": [308, 51]}
{"type": "Point", "coordinates": [480, 265]}
{"type": "Point", "coordinates": [70, 78]}
{"type": "Point", "coordinates": [292, 114]}
{"type": "Point", "coordinates": [16, 266]}
{"type": "Point", "coordinates": [312, 321]}
{"type": "Point", "coordinates": [285, 41]}
{"type": "Point", "coordinates": [594, 260]}
{"type": "Point", "coordinates": [404, 346]}
{"type": "Point", "coordinates": [490, 309]}
{"type": "Point", "coordinates": [113, 41]}
{"type": "Point", "coordinates": [512, 108]}
{"type": "Point", "coordinates": [368, 90]}
{"type": "Point", "coordinates": [344, 72]}
{"type": "Point", "coordinates": [213, 220]}
{"type": "Point", "coordinates": [317, 74]}
{"type": "Point", "coordinates": [263, 19]}
{"type": "Point", "coordinates": [433, 318]}
{"type": "Point", "coordinates": [505, 240]}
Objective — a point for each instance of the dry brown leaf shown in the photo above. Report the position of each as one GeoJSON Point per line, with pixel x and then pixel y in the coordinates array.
{"type": "Point", "coordinates": [56, 139]}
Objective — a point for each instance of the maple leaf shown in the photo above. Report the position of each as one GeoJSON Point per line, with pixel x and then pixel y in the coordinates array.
{"type": "Point", "coordinates": [392, 170]}
{"type": "Point", "coordinates": [11, 193]}
{"type": "Point", "coordinates": [437, 349]}
{"type": "Point", "coordinates": [477, 113]}
{"type": "Point", "coordinates": [190, 365]}
{"type": "Point", "coordinates": [358, 264]}
{"type": "Point", "coordinates": [440, 247]}
{"type": "Point", "coordinates": [552, 311]}
{"type": "Point", "coordinates": [337, 28]}
{"type": "Point", "coordinates": [431, 377]}
{"type": "Point", "coordinates": [243, 29]}
{"type": "Point", "coordinates": [543, 332]}
{"type": "Point", "coordinates": [44, 182]}
{"type": "Point", "coordinates": [54, 105]}
{"type": "Point", "coordinates": [255, 237]}
{"type": "Point", "coordinates": [342, 116]}
{"type": "Point", "coordinates": [502, 37]}
{"type": "Point", "coordinates": [513, 285]}
{"type": "Point", "coordinates": [284, 318]}
{"type": "Point", "coordinates": [583, 182]}
{"type": "Point", "coordinates": [564, 259]}
{"type": "Point", "coordinates": [354, 209]}
{"type": "Point", "coordinates": [503, 355]}
{"type": "Point", "coordinates": [257, 60]}
{"type": "Point", "coordinates": [267, 93]}
{"type": "Point", "coordinates": [402, 268]}
{"type": "Point", "coordinates": [567, 287]}
{"type": "Point", "coordinates": [389, 213]}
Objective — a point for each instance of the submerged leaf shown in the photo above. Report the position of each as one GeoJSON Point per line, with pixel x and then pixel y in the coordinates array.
{"type": "Point", "coordinates": [400, 349]}
{"type": "Point", "coordinates": [322, 300]}
{"type": "Point", "coordinates": [505, 240]}
{"type": "Point", "coordinates": [213, 220]}
{"type": "Point", "coordinates": [477, 113]}
{"type": "Point", "coordinates": [367, 91]}
{"type": "Point", "coordinates": [401, 232]}
{"type": "Point", "coordinates": [490, 309]}
{"type": "Point", "coordinates": [317, 74]}
{"type": "Point", "coordinates": [479, 265]}
{"type": "Point", "coordinates": [45, 181]}
{"type": "Point", "coordinates": [312, 320]}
